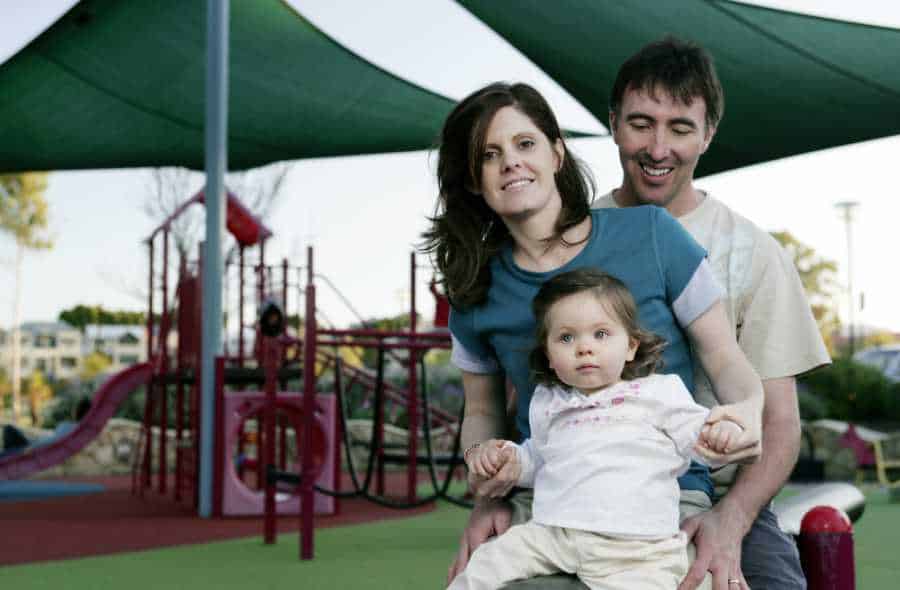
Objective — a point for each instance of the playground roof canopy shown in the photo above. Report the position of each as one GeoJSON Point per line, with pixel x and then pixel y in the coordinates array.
{"type": "Point", "coordinates": [120, 84]}
{"type": "Point", "coordinates": [793, 83]}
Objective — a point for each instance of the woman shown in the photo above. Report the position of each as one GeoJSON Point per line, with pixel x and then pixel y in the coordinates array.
{"type": "Point", "coordinates": [514, 211]}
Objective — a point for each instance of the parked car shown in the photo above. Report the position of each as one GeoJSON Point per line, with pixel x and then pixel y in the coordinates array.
{"type": "Point", "coordinates": [884, 358]}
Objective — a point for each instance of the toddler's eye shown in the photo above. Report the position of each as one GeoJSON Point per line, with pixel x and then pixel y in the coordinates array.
{"type": "Point", "coordinates": [600, 334]}
{"type": "Point", "coordinates": [565, 338]}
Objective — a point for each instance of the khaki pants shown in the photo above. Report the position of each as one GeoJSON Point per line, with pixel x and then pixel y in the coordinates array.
{"type": "Point", "coordinates": [600, 562]}
{"type": "Point", "coordinates": [692, 502]}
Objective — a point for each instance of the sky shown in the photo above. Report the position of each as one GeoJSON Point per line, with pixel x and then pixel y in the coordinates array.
{"type": "Point", "coordinates": [363, 215]}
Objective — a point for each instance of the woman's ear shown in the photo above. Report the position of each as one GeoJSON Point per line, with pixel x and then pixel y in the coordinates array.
{"type": "Point", "coordinates": [560, 150]}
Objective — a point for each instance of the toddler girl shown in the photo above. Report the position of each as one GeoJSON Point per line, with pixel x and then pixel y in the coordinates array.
{"type": "Point", "coordinates": [609, 437]}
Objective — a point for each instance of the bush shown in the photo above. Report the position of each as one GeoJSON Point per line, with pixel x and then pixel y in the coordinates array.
{"type": "Point", "coordinates": [854, 392]}
{"type": "Point", "coordinates": [812, 407]}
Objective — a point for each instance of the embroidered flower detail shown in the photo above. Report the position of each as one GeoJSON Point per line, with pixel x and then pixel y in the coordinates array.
{"type": "Point", "coordinates": [618, 400]}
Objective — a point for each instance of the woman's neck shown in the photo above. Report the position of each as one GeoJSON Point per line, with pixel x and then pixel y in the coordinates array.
{"type": "Point", "coordinates": [532, 251]}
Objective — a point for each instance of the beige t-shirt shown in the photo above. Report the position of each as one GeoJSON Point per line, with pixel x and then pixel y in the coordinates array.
{"type": "Point", "coordinates": [766, 304]}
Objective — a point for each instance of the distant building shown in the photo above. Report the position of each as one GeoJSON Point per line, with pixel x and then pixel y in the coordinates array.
{"type": "Point", "coordinates": [124, 345]}
{"type": "Point", "coordinates": [53, 348]}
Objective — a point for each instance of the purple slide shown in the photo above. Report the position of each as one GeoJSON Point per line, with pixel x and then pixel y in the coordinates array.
{"type": "Point", "coordinates": [103, 406]}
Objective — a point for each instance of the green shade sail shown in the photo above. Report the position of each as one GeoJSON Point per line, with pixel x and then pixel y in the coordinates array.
{"type": "Point", "coordinates": [118, 84]}
{"type": "Point", "coordinates": [793, 83]}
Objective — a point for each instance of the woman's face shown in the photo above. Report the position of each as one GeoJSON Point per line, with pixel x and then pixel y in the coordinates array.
{"type": "Point", "coordinates": [517, 176]}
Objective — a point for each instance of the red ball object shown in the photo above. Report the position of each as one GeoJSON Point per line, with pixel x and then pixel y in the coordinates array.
{"type": "Point", "coordinates": [826, 519]}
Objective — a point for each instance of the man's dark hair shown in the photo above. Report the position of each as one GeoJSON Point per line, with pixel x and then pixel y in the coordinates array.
{"type": "Point", "coordinates": [682, 68]}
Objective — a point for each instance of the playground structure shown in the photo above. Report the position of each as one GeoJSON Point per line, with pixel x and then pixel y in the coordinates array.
{"type": "Point", "coordinates": [290, 428]}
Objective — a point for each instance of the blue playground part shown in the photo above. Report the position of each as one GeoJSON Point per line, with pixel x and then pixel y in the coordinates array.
{"type": "Point", "coordinates": [18, 491]}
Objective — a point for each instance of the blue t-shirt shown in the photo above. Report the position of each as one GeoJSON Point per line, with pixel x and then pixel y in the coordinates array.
{"type": "Point", "coordinates": [645, 248]}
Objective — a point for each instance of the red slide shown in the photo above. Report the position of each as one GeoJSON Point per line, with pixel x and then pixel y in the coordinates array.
{"type": "Point", "coordinates": [103, 406]}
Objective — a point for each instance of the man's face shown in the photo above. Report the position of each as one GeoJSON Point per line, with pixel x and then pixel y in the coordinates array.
{"type": "Point", "coordinates": [660, 140]}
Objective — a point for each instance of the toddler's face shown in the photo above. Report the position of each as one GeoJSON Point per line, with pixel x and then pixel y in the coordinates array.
{"type": "Point", "coordinates": [586, 345]}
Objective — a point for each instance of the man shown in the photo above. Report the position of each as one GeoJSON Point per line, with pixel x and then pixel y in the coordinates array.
{"type": "Point", "coordinates": [665, 107]}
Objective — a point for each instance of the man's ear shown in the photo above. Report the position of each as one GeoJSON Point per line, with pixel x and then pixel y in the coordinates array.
{"type": "Point", "coordinates": [710, 133]}
{"type": "Point", "coordinates": [612, 123]}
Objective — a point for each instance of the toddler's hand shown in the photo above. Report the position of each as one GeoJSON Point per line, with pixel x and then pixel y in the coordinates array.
{"type": "Point", "coordinates": [488, 458]}
{"type": "Point", "coordinates": [720, 435]}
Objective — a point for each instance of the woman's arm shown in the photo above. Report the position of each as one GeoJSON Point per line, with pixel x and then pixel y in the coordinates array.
{"type": "Point", "coordinates": [731, 375]}
{"type": "Point", "coordinates": [484, 419]}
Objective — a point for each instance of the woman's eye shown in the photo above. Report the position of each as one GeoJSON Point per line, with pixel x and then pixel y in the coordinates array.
{"type": "Point", "coordinates": [489, 155]}
{"type": "Point", "coordinates": [526, 144]}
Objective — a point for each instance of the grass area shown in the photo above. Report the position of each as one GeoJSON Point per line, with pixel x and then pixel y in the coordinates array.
{"type": "Point", "coordinates": [398, 554]}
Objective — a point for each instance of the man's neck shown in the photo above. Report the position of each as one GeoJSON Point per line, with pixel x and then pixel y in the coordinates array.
{"type": "Point", "coordinates": [678, 207]}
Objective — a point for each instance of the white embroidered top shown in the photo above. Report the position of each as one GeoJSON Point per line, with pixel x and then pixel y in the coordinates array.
{"type": "Point", "coordinates": [608, 462]}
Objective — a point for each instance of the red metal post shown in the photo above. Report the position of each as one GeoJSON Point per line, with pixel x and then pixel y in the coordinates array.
{"type": "Point", "coordinates": [412, 398]}
{"type": "Point", "coordinates": [150, 306]}
{"type": "Point", "coordinates": [309, 407]}
{"type": "Point", "coordinates": [272, 358]}
{"type": "Point", "coordinates": [241, 305]}
{"type": "Point", "coordinates": [179, 433]}
{"type": "Point", "coordinates": [826, 549]}
{"type": "Point", "coordinates": [162, 476]}
{"type": "Point", "coordinates": [220, 454]}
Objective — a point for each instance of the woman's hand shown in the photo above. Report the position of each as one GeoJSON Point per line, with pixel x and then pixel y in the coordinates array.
{"type": "Point", "coordinates": [494, 468]}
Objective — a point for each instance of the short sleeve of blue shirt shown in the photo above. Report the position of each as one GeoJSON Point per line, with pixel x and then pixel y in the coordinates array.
{"type": "Point", "coordinates": [679, 253]}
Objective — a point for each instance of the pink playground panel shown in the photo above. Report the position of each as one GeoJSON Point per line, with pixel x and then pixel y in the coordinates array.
{"type": "Point", "coordinates": [237, 498]}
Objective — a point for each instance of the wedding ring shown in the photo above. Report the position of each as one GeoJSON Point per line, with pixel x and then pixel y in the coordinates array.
{"type": "Point", "coordinates": [734, 581]}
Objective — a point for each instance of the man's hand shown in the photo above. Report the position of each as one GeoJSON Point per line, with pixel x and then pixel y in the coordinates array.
{"type": "Point", "coordinates": [489, 518]}
{"type": "Point", "coordinates": [717, 535]}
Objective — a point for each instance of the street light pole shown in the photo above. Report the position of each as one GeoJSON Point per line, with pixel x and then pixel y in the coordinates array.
{"type": "Point", "coordinates": [846, 208]}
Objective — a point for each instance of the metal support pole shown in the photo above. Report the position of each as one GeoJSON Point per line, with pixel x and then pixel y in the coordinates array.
{"type": "Point", "coordinates": [216, 132]}
{"type": "Point", "coordinates": [846, 208]}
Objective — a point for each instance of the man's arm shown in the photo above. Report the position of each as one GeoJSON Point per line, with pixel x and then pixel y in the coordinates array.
{"type": "Point", "coordinates": [756, 484]}
{"type": "Point", "coordinates": [730, 373]}
{"type": "Point", "coordinates": [718, 533]}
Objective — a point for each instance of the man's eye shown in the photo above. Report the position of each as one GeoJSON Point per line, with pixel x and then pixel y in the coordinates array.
{"type": "Point", "coordinates": [682, 130]}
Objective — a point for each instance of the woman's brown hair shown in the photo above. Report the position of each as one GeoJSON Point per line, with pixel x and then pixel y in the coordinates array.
{"type": "Point", "coordinates": [465, 232]}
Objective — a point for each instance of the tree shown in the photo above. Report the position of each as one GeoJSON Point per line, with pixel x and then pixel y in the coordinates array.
{"type": "Point", "coordinates": [169, 188]}
{"type": "Point", "coordinates": [82, 316]}
{"type": "Point", "coordinates": [818, 277]}
{"type": "Point", "coordinates": [96, 363]}
{"type": "Point", "coordinates": [39, 393]}
{"type": "Point", "coordinates": [23, 215]}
